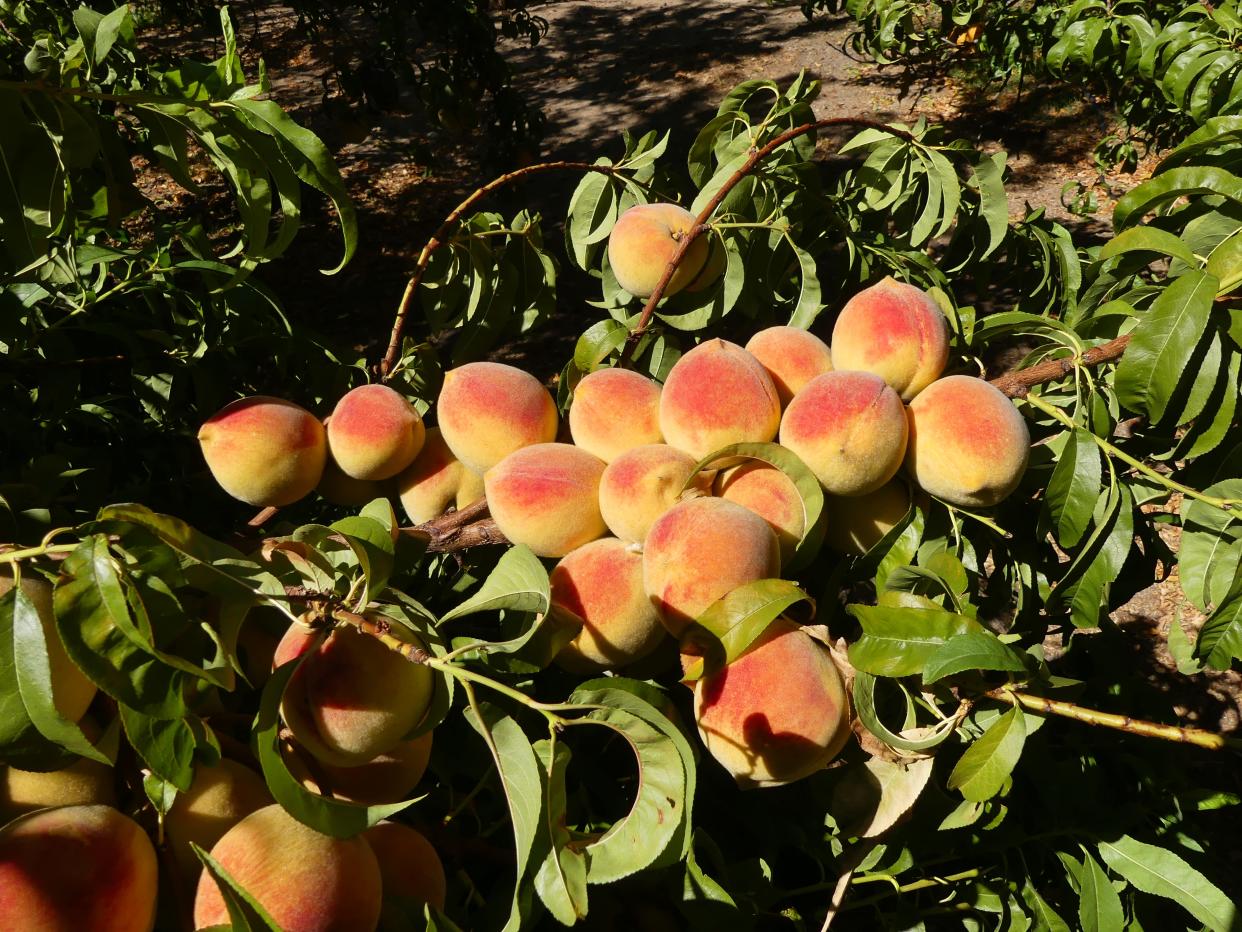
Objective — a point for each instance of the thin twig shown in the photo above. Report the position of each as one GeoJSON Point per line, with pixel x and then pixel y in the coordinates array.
{"type": "Point", "coordinates": [1016, 384]}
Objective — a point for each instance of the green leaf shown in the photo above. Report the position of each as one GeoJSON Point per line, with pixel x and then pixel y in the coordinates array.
{"type": "Point", "coordinates": [981, 772]}
{"type": "Point", "coordinates": [976, 651]}
{"type": "Point", "coordinates": [1149, 239]}
{"type": "Point", "coordinates": [1211, 547]}
{"type": "Point", "coordinates": [561, 878]}
{"type": "Point", "coordinates": [519, 582]}
{"type": "Point", "coordinates": [1163, 343]}
{"type": "Point", "coordinates": [373, 546]}
{"type": "Point", "coordinates": [165, 745]}
{"type": "Point", "coordinates": [865, 708]}
{"type": "Point", "coordinates": [873, 796]}
{"type": "Point", "coordinates": [246, 914]}
{"type": "Point", "coordinates": [1099, 906]}
{"type": "Point", "coordinates": [900, 641]}
{"type": "Point", "coordinates": [1163, 873]}
{"type": "Point", "coordinates": [739, 618]}
{"type": "Point", "coordinates": [1172, 184]}
{"type": "Point", "coordinates": [1220, 638]}
{"type": "Point", "coordinates": [1046, 918]}
{"type": "Point", "coordinates": [1074, 487]}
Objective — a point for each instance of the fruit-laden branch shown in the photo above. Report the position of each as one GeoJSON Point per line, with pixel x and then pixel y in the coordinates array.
{"type": "Point", "coordinates": [1016, 384]}
{"type": "Point", "coordinates": [1176, 733]}
{"type": "Point", "coordinates": [441, 236]}
{"type": "Point", "coordinates": [700, 222]}
{"type": "Point", "coordinates": [459, 530]}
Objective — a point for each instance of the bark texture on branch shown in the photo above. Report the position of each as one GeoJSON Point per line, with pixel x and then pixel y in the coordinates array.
{"type": "Point", "coordinates": [1016, 384]}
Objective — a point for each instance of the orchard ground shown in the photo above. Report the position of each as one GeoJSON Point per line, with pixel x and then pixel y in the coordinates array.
{"type": "Point", "coordinates": [638, 65]}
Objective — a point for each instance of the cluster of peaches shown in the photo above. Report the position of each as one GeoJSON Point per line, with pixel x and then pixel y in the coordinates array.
{"type": "Point", "coordinates": [70, 859]}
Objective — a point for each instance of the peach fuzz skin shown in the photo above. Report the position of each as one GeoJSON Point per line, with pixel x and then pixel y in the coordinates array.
{"type": "Point", "coordinates": [771, 495]}
{"type": "Point", "coordinates": [601, 584]}
{"type": "Point", "coordinates": [264, 451]}
{"type": "Point", "coordinates": [409, 865]}
{"type": "Point", "coordinates": [639, 486]}
{"type": "Point", "coordinates": [850, 430]}
{"type": "Point", "coordinates": [430, 483]}
{"type": "Point", "coordinates": [642, 243]}
{"type": "Point", "coordinates": [77, 868]}
{"type": "Point", "coordinates": [615, 410]}
{"type": "Point", "coordinates": [387, 778]}
{"type": "Point", "coordinates": [699, 551]}
{"type": "Point", "coordinates": [218, 798]}
{"type": "Point", "coordinates": [792, 357]}
{"type": "Point", "coordinates": [546, 496]}
{"type": "Point", "coordinates": [487, 410]}
{"type": "Point", "coordinates": [374, 433]}
{"type": "Point", "coordinates": [306, 881]}
{"type": "Point", "coordinates": [969, 446]}
{"type": "Point", "coordinates": [895, 331]}
{"type": "Point", "coordinates": [715, 395]}
{"type": "Point", "coordinates": [778, 712]}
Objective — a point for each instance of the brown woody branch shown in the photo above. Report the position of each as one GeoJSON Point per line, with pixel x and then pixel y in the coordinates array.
{"type": "Point", "coordinates": [459, 530]}
{"type": "Point", "coordinates": [1016, 384]}
{"type": "Point", "coordinates": [441, 236]}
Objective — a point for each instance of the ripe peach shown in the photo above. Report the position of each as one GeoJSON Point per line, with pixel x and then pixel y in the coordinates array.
{"type": "Point", "coordinates": [77, 867]}
{"type": "Point", "coordinates": [306, 881]}
{"type": "Point", "coordinates": [850, 430]}
{"type": "Point", "coordinates": [353, 698]}
{"type": "Point", "coordinates": [700, 550]}
{"type": "Point", "coordinates": [778, 712]}
{"type": "Point", "coordinates": [427, 487]}
{"type": "Point", "coordinates": [219, 797]}
{"type": "Point", "coordinates": [487, 410]}
{"type": "Point", "coordinates": [968, 443]}
{"type": "Point", "coordinates": [856, 524]}
{"type": "Point", "coordinates": [340, 489]}
{"type": "Point", "coordinates": [896, 331]}
{"type": "Point", "coordinates": [409, 865]}
{"type": "Point", "coordinates": [715, 395]}
{"type": "Point", "coordinates": [387, 778]}
{"type": "Point", "coordinates": [264, 451]}
{"type": "Point", "coordinates": [374, 433]}
{"type": "Point", "coordinates": [639, 486]}
{"type": "Point", "coordinates": [771, 495]}
{"type": "Point", "coordinates": [601, 583]}
{"type": "Point", "coordinates": [470, 489]}
{"type": "Point", "coordinates": [642, 243]}
{"type": "Point", "coordinates": [85, 783]}
{"type": "Point", "coordinates": [72, 692]}
{"type": "Point", "coordinates": [792, 356]}
{"type": "Point", "coordinates": [615, 410]}
{"type": "Point", "coordinates": [546, 496]}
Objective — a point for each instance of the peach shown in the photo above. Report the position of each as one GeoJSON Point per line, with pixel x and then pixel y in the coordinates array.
{"type": "Point", "coordinates": [642, 243]}
{"type": "Point", "coordinates": [429, 485]}
{"type": "Point", "coordinates": [374, 433]}
{"type": "Point", "coordinates": [968, 443]}
{"type": "Point", "coordinates": [771, 495]}
{"type": "Point", "coordinates": [713, 268]}
{"type": "Point", "coordinates": [77, 867]}
{"type": "Point", "coordinates": [700, 550]}
{"type": "Point", "coordinates": [86, 782]}
{"type": "Point", "coordinates": [306, 881]}
{"type": "Point", "coordinates": [344, 490]}
{"type": "Point", "coordinates": [219, 797]}
{"type": "Point", "coordinates": [469, 489]}
{"type": "Point", "coordinates": [387, 778]}
{"type": "Point", "coordinates": [487, 410]}
{"type": "Point", "coordinates": [72, 692]}
{"type": "Point", "coordinates": [409, 865]}
{"type": "Point", "coordinates": [792, 356]}
{"type": "Point", "coordinates": [264, 451]}
{"type": "Point", "coordinates": [715, 395]}
{"type": "Point", "coordinates": [895, 331]}
{"type": "Point", "coordinates": [601, 584]}
{"type": "Point", "coordinates": [850, 430]}
{"type": "Point", "coordinates": [858, 523]}
{"type": "Point", "coordinates": [639, 486]}
{"type": "Point", "coordinates": [778, 712]}
{"type": "Point", "coordinates": [615, 410]}
{"type": "Point", "coordinates": [546, 496]}
{"type": "Point", "coordinates": [353, 698]}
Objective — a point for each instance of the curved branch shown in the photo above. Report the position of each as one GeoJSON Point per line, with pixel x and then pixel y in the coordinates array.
{"type": "Point", "coordinates": [446, 228]}
{"type": "Point", "coordinates": [700, 222]}
{"type": "Point", "coordinates": [1016, 384]}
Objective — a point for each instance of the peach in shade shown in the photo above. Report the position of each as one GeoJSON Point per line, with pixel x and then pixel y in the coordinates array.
{"type": "Point", "coordinates": [792, 357]}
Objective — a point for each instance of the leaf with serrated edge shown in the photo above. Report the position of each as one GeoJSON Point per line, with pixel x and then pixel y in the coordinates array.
{"type": "Point", "coordinates": [982, 770]}
{"type": "Point", "coordinates": [1099, 906]}
{"type": "Point", "coordinates": [1163, 873]}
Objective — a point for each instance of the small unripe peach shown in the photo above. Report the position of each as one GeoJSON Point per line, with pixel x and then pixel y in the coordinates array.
{"type": "Point", "coordinates": [771, 495]}
{"type": "Point", "coordinates": [374, 433]}
{"type": "Point", "coordinates": [778, 712]}
{"type": "Point", "coordinates": [700, 550]}
{"type": "Point", "coordinates": [387, 778]}
{"type": "Point", "coordinates": [856, 524]}
{"type": "Point", "coordinates": [409, 865]}
{"type": "Point", "coordinates": [264, 451]}
{"type": "Point", "coordinates": [639, 486]}
{"type": "Point", "coordinates": [615, 410]}
{"type": "Point", "coordinates": [968, 444]}
{"type": "Point", "coordinates": [896, 331]}
{"type": "Point", "coordinates": [430, 483]}
{"type": "Point", "coordinates": [306, 881]}
{"type": "Point", "coordinates": [546, 496]}
{"type": "Point", "coordinates": [792, 357]}
{"type": "Point", "coordinates": [487, 410]}
{"type": "Point", "coordinates": [850, 430]}
{"type": "Point", "coordinates": [642, 243]}
{"type": "Point", "coordinates": [601, 584]}
{"type": "Point", "coordinates": [715, 395]}
{"type": "Point", "coordinates": [77, 867]}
